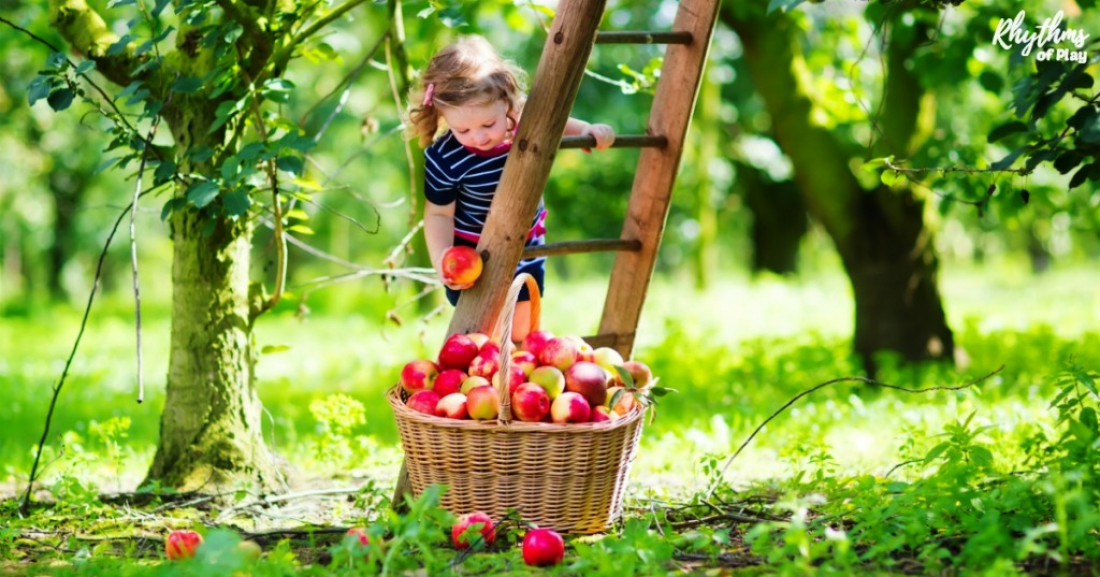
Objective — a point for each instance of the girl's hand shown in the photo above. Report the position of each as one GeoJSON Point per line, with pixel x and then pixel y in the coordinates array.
{"type": "Point", "coordinates": [604, 135]}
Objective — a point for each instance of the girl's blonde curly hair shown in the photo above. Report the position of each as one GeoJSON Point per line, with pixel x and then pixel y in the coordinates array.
{"type": "Point", "coordinates": [468, 72]}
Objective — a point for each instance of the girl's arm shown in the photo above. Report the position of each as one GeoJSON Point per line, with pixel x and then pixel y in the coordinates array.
{"type": "Point", "coordinates": [604, 134]}
{"type": "Point", "coordinates": [439, 233]}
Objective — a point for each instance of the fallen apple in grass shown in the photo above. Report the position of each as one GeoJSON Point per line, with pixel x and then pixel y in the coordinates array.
{"type": "Point", "coordinates": [483, 403]}
{"type": "Point", "coordinates": [530, 403]}
{"type": "Point", "coordinates": [250, 549]}
{"type": "Point", "coordinates": [182, 544]}
{"type": "Point", "coordinates": [570, 407]}
{"type": "Point", "coordinates": [360, 534]}
{"type": "Point", "coordinates": [449, 381]}
{"type": "Point", "coordinates": [423, 402]}
{"type": "Point", "coordinates": [457, 352]}
{"type": "Point", "coordinates": [464, 532]}
{"type": "Point", "coordinates": [542, 547]}
{"type": "Point", "coordinates": [460, 265]}
{"type": "Point", "coordinates": [453, 406]}
{"type": "Point", "coordinates": [588, 379]}
{"type": "Point", "coordinates": [418, 375]}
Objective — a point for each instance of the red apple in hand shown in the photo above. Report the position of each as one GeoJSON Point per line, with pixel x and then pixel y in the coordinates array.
{"type": "Point", "coordinates": [477, 522]}
{"type": "Point", "coordinates": [543, 547]}
{"type": "Point", "coordinates": [457, 352]}
{"type": "Point", "coordinates": [418, 375]}
{"type": "Point", "coordinates": [588, 379]}
{"type": "Point", "coordinates": [181, 544]}
{"type": "Point", "coordinates": [448, 381]}
{"type": "Point", "coordinates": [570, 407]}
{"type": "Point", "coordinates": [423, 402]}
{"type": "Point", "coordinates": [460, 265]}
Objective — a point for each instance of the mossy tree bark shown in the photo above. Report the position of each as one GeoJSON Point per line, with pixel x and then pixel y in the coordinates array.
{"type": "Point", "coordinates": [880, 234]}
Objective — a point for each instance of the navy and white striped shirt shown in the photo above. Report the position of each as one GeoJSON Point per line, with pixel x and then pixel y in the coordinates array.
{"type": "Point", "coordinates": [469, 178]}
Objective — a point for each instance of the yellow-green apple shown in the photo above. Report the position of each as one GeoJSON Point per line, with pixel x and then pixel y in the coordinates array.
{"type": "Point", "coordinates": [601, 414]}
{"type": "Point", "coordinates": [479, 338]}
{"type": "Point", "coordinates": [250, 550]}
{"type": "Point", "coordinates": [517, 378]}
{"type": "Point", "coordinates": [485, 364]}
{"type": "Point", "coordinates": [559, 352]}
{"type": "Point", "coordinates": [448, 381]}
{"type": "Point", "coordinates": [535, 341]}
{"type": "Point", "coordinates": [471, 383]}
{"type": "Point", "coordinates": [460, 265]}
{"type": "Point", "coordinates": [570, 407]}
{"type": "Point", "coordinates": [465, 530]}
{"type": "Point", "coordinates": [418, 375]}
{"type": "Point", "coordinates": [549, 378]}
{"type": "Point", "coordinates": [423, 402]}
{"type": "Point", "coordinates": [530, 403]}
{"type": "Point", "coordinates": [640, 372]}
{"type": "Point", "coordinates": [606, 357]}
{"type": "Point", "coordinates": [588, 379]}
{"type": "Point", "coordinates": [181, 544]}
{"type": "Point", "coordinates": [626, 401]}
{"type": "Point", "coordinates": [584, 350]}
{"type": "Point", "coordinates": [483, 403]}
{"type": "Point", "coordinates": [542, 547]}
{"type": "Point", "coordinates": [457, 352]}
{"type": "Point", "coordinates": [453, 406]}
{"type": "Point", "coordinates": [525, 360]}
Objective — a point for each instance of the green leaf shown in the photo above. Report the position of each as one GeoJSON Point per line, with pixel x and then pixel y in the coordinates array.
{"type": "Point", "coordinates": [251, 150]}
{"type": "Point", "coordinates": [1087, 380]}
{"type": "Point", "coordinates": [164, 172]}
{"type": "Point", "coordinates": [935, 452]}
{"type": "Point", "coordinates": [60, 98]}
{"type": "Point", "coordinates": [981, 457]}
{"type": "Point", "coordinates": [888, 177]}
{"type": "Point", "coordinates": [1088, 418]}
{"type": "Point", "coordinates": [160, 6]}
{"type": "Point", "coordinates": [660, 391]}
{"type": "Point", "coordinates": [236, 203]}
{"type": "Point", "coordinates": [291, 164]}
{"type": "Point", "coordinates": [625, 376]}
{"type": "Point", "coordinates": [187, 85]}
{"type": "Point", "coordinates": [1009, 159]}
{"type": "Point", "coordinates": [201, 154]}
{"type": "Point", "coordinates": [39, 88]}
{"type": "Point", "coordinates": [120, 45]}
{"type": "Point", "coordinates": [202, 193]}
{"type": "Point", "coordinates": [300, 228]}
{"type": "Point", "coordinates": [173, 204]}
{"type": "Point", "coordinates": [616, 397]}
{"type": "Point", "coordinates": [85, 67]}
{"type": "Point", "coordinates": [1079, 177]}
{"type": "Point", "coordinates": [1006, 129]}
{"type": "Point", "coordinates": [1090, 127]}
{"type": "Point", "coordinates": [1067, 161]}
{"type": "Point", "coordinates": [784, 5]}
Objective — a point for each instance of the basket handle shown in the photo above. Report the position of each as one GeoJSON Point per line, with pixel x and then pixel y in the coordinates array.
{"type": "Point", "coordinates": [503, 330]}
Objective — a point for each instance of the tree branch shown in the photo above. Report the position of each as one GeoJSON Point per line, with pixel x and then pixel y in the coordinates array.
{"type": "Point", "coordinates": [85, 29]}
{"type": "Point", "coordinates": [284, 54]}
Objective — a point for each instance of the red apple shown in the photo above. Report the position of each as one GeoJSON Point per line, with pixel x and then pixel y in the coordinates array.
{"type": "Point", "coordinates": [584, 350]}
{"type": "Point", "coordinates": [418, 375]}
{"type": "Point", "coordinates": [559, 352]}
{"type": "Point", "coordinates": [530, 403]}
{"type": "Point", "coordinates": [535, 341]}
{"type": "Point", "coordinates": [483, 403]}
{"type": "Point", "coordinates": [470, 383]}
{"type": "Point", "coordinates": [601, 414]}
{"type": "Point", "coordinates": [525, 360]}
{"type": "Point", "coordinates": [423, 402]}
{"type": "Point", "coordinates": [460, 265]}
{"type": "Point", "coordinates": [473, 523]}
{"type": "Point", "coordinates": [453, 406]}
{"type": "Point", "coordinates": [626, 400]}
{"type": "Point", "coordinates": [361, 534]}
{"type": "Point", "coordinates": [486, 363]}
{"type": "Point", "coordinates": [517, 378]}
{"type": "Point", "coordinates": [457, 352]}
{"type": "Point", "coordinates": [181, 544]}
{"type": "Point", "coordinates": [448, 381]}
{"type": "Point", "coordinates": [549, 378]}
{"type": "Point", "coordinates": [570, 407]}
{"type": "Point", "coordinates": [606, 357]}
{"type": "Point", "coordinates": [640, 372]}
{"type": "Point", "coordinates": [480, 339]}
{"type": "Point", "coordinates": [588, 379]}
{"type": "Point", "coordinates": [543, 547]}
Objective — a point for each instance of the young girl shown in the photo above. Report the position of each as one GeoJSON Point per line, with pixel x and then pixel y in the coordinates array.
{"type": "Point", "coordinates": [479, 97]}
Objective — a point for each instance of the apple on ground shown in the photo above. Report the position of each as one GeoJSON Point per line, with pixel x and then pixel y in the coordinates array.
{"type": "Point", "coordinates": [588, 379]}
{"type": "Point", "coordinates": [470, 383]}
{"type": "Point", "coordinates": [483, 403]}
{"type": "Point", "coordinates": [625, 403]}
{"type": "Point", "coordinates": [560, 353]}
{"type": "Point", "coordinates": [535, 341]}
{"type": "Point", "coordinates": [464, 532]}
{"type": "Point", "coordinates": [460, 265]}
{"type": "Point", "coordinates": [423, 402]}
{"type": "Point", "coordinates": [250, 550]}
{"type": "Point", "coordinates": [570, 407]}
{"type": "Point", "coordinates": [602, 414]}
{"type": "Point", "coordinates": [449, 381]}
{"type": "Point", "coordinates": [418, 375]}
{"type": "Point", "coordinates": [608, 358]}
{"type": "Point", "coordinates": [542, 547]}
{"type": "Point", "coordinates": [640, 372]}
{"type": "Point", "coordinates": [525, 360]}
{"type": "Point", "coordinates": [181, 544]}
{"type": "Point", "coordinates": [530, 403]}
{"type": "Point", "coordinates": [517, 378]}
{"type": "Point", "coordinates": [453, 406]}
{"type": "Point", "coordinates": [359, 534]}
{"type": "Point", "coordinates": [549, 378]}
{"type": "Point", "coordinates": [486, 363]}
{"type": "Point", "coordinates": [457, 352]}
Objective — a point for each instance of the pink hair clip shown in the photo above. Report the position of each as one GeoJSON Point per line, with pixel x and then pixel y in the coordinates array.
{"type": "Point", "coordinates": [428, 94]}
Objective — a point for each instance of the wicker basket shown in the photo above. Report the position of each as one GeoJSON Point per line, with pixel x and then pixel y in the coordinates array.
{"type": "Point", "coordinates": [567, 477]}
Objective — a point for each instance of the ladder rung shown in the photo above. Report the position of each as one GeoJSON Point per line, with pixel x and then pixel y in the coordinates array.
{"type": "Point", "coordinates": [621, 141]}
{"type": "Point", "coordinates": [609, 339]}
{"type": "Point", "coordinates": [643, 37]}
{"type": "Point", "coordinates": [581, 246]}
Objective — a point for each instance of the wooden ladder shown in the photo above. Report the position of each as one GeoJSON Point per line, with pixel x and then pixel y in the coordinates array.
{"type": "Point", "coordinates": [553, 91]}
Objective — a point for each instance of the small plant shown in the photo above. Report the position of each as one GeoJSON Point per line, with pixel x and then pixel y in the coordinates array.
{"type": "Point", "coordinates": [337, 416]}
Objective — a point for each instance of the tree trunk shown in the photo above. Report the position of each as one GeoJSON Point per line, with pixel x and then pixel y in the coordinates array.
{"type": "Point", "coordinates": [779, 221]}
{"type": "Point", "coordinates": [887, 250]}
{"type": "Point", "coordinates": [67, 187]}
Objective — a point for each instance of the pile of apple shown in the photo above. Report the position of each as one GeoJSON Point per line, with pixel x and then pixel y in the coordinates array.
{"type": "Point", "coordinates": [550, 379]}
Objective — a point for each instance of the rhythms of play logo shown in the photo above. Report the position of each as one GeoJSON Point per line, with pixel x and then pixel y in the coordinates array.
{"type": "Point", "coordinates": [1012, 32]}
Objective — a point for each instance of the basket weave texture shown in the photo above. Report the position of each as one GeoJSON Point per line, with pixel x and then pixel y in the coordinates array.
{"type": "Point", "coordinates": [567, 477]}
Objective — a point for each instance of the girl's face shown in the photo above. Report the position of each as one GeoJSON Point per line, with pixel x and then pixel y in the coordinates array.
{"type": "Point", "coordinates": [480, 126]}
